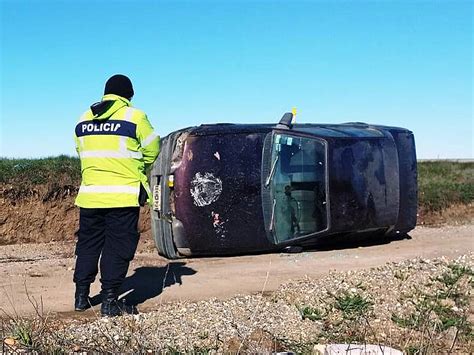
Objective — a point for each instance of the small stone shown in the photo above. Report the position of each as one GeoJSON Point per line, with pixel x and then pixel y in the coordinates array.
{"type": "Point", "coordinates": [10, 341]}
{"type": "Point", "coordinates": [35, 274]}
{"type": "Point", "coordinates": [319, 349]}
{"type": "Point", "coordinates": [448, 303]}
{"type": "Point", "coordinates": [76, 348]}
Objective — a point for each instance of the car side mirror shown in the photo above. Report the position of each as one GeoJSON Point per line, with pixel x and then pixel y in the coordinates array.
{"type": "Point", "coordinates": [285, 121]}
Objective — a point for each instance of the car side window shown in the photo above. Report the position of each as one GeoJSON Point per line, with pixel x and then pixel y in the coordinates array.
{"type": "Point", "coordinates": [298, 187]}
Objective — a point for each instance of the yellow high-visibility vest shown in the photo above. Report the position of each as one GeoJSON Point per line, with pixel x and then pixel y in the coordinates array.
{"type": "Point", "coordinates": [116, 149]}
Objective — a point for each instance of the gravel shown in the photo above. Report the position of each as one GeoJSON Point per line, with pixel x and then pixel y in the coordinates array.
{"type": "Point", "coordinates": [273, 321]}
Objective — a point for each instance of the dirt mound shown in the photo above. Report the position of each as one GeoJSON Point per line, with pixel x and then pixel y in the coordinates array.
{"type": "Point", "coordinates": [456, 214]}
{"type": "Point", "coordinates": [44, 213]}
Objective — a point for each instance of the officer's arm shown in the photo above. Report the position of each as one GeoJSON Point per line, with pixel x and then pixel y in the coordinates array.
{"type": "Point", "coordinates": [76, 141]}
{"type": "Point", "coordinates": [84, 117]}
{"type": "Point", "coordinates": [149, 141]}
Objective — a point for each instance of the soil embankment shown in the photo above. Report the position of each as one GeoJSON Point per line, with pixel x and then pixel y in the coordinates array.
{"type": "Point", "coordinates": [43, 214]}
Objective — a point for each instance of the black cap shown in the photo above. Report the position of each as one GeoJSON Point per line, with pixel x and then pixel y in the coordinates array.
{"type": "Point", "coordinates": [119, 85]}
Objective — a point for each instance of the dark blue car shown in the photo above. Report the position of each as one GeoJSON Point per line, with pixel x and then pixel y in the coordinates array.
{"type": "Point", "coordinates": [228, 189]}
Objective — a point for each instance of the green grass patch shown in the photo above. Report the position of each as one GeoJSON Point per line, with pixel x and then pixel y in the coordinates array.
{"type": "Point", "coordinates": [352, 305]}
{"type": "Point", "coordinates": [443, 183]}
{"type": "Point", "coordinates": [28, 172]}
{"type": "Point", "coordinates": [308, 312]}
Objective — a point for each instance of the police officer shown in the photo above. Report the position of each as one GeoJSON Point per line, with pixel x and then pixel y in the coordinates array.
{"type": "Point", "coordinates": [117, 146]}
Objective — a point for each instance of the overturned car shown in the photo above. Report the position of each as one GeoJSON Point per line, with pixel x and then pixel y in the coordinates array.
{"type": "Point", "coordinates": [227, 189]}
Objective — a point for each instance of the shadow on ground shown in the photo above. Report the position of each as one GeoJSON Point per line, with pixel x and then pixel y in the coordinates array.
{"type": "Point", "coordinates": [147, 282]}
{"type": "Point", "coordinates": [340, 242]}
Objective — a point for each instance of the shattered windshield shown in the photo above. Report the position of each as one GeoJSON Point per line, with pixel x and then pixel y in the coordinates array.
{"type": "Point", "coordinates": [298, 187]}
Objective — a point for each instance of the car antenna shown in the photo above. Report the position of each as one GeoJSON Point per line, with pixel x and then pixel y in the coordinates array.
{"type": "Point", "coordinates": [286, 121]}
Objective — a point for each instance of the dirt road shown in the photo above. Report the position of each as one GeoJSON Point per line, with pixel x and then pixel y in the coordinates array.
{"type": "Point", "coordinates": [42, 273]}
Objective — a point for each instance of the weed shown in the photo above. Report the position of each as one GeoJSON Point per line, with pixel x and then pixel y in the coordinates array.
{"type": "Point", "coordinates": [22, 331]}
{"type": "Point", "coordinates": [202, 350]}
{"type": "Point", "coordinates": [171, 350]}
{"type": "Point", "coordinates": [36, 333]}
{"type": "Point", "coordinates": [400, 275]}
{"type": "Point", "coordinates": [352, 305]}
{"type": "Point", "coordinates": [203, 335]}
{"type": "Point", "coordinates": [412, 321]}
{"type": "Point", "coordinates": [298, 347]}
{"type": "Point", "coordinates": [447, 318]}
{"type": "Point", "coordinates": [431, 313]}
{"type": "Point", "coordinates": [436, 316]}
{"type": "Point", "coordinates": [454, 274]}
{"type": "Point", "coordinates": [414, 350]}
{"type": "Point", "coordinates": [308, 312]}
{"type": "Point", "coordinates": [350, 319]}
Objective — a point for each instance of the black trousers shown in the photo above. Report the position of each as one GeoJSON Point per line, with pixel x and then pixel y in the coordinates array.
{"type": "Point", "coordinates": [110, 234]}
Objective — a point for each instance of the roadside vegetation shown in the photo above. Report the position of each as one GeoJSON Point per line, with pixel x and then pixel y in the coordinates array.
{"type": "Point", "coordinates": [31, 172]}
{"type": "Point", "coordinates": [442, 184]}
{"type": "Point", "coordinates": [45, 179]}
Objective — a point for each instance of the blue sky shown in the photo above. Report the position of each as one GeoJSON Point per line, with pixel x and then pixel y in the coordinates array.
{"type": "Point", "coordinates": [403, 63]}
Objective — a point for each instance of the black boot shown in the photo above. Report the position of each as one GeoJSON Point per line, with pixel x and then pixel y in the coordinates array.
{"type": "Point", "coordinates": [81, 298]}
{"type": "Point", "coordinates": [112, 307]}
{"type": "Point", "coordinates": [109, 307]}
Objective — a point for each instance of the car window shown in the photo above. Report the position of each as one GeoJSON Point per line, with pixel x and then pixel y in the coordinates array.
{"type": "Point", "coordinates": [298, 187]}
